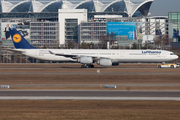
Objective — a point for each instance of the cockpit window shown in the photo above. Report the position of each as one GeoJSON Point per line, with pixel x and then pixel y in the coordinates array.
{"type": "Point", "coordinates": [172, 54]}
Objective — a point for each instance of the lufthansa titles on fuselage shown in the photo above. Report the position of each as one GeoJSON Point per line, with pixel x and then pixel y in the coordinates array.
{"type": "Point", "coordinates": [151, 52]}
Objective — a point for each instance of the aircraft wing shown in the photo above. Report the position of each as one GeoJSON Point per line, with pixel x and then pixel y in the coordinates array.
{"type": "Point", "coordinates": [78, 56]}
{"type": "Point", "coordinates": [65, 55]}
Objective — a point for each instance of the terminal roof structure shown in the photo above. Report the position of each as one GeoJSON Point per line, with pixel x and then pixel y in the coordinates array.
{"type": "Point", "coordinates": [129, 7]}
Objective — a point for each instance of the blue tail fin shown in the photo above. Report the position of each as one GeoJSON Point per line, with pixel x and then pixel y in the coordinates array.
{"type": "Point", "coordinates": [19, 41]}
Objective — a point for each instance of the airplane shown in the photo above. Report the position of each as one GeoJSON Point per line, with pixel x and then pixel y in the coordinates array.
{"type": "Point", "coordinates": [88, 57]}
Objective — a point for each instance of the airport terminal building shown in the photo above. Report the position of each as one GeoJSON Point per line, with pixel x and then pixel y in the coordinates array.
{"type": "Point", "coordinates": [53, 23]}
{"type": "Point", "coordinates": [49, 10]}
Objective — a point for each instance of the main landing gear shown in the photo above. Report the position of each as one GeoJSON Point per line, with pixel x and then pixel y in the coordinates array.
{"type": "Point", "coordinates": [87, 66]}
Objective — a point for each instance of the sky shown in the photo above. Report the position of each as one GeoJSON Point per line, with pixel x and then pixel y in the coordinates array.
{"type": "Point", "coordinates": [162, 7]}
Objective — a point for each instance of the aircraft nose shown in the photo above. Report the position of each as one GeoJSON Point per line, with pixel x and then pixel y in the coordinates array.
{"type": "Point", "coordinates": [176, 57]}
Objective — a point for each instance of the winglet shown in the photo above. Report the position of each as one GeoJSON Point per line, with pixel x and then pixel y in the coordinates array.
{"type": "Point", "coordinates": [19, 41]}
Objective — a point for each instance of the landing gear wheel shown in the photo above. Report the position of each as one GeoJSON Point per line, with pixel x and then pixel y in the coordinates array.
{"type": "Point", "coordinates": [92, 66]}
{"type": "Point", "coordinates": [159, 66]}
{"type": "Point", "coordinates": [87, 66]}
{"type": "Point", "coordinates": [172, 66]}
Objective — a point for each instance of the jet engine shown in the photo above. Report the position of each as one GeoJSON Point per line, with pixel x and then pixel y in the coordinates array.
{"type": "Point", "coordinates": [85, 60]}
{"type": "Point", "coordinates": [105, 62]}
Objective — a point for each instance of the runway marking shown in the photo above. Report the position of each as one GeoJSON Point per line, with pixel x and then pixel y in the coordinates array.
{"type": "Point", "coordinates": [89, 93]}
{"type": "Point", "coordinates": [92, 98]}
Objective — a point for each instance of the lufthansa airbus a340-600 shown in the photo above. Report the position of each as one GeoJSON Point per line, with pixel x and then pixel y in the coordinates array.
{"type": "Point", "coordinates": [88, 57]}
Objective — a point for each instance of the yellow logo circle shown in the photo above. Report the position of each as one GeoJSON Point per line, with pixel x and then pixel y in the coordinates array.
{"type": "Point", "coordinates": [16, 38]}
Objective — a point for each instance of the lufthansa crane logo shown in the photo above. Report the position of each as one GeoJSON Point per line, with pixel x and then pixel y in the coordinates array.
{"type": "Point", "coordinates": [16, 38]}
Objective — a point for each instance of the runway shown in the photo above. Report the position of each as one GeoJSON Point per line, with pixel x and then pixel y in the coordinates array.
{"type": "Point", "coordinates": [70, 76]}
{"type": "Point", "coordinates": [79, 68]}
{"type": "Point", "coordinates": [93, 85]}
{"type": "Point", "coordinates": [88, 95]}
{"type": "Point", "coordinates": [89, 73]}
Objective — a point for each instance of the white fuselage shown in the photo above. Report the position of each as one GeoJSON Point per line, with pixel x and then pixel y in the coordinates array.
{"type": "Point", "coordinates": [114, 55]}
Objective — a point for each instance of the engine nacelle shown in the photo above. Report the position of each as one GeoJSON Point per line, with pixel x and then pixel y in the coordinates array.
{"type": "Point", "coordinates": [86, 60]}
{"type": "Point", "coordinates": [105, 62]}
